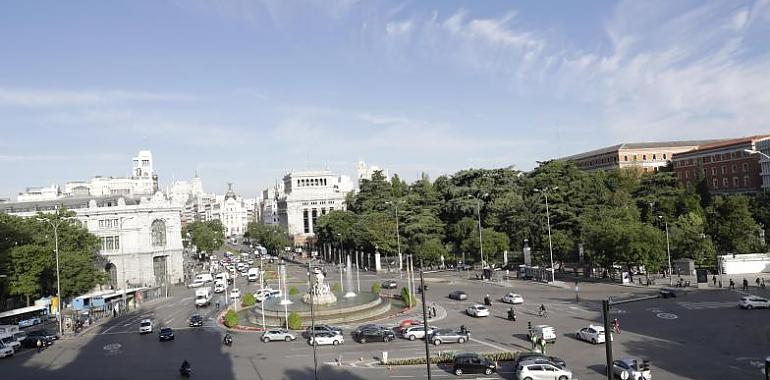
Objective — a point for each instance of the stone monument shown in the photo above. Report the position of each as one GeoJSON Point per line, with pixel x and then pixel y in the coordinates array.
{"type": "Point", "coordinates": [319, 292]}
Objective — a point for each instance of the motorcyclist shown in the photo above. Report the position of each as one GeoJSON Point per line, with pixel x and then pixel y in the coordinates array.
{"type": "Point", "coordinates": [511, 314]}
{"type": "Point", "coordinates": [228, 339]}
{"type": "Point", "coordinates": [185, 369]}
{"type": "Point", "coordinates": [542, 310]}
{"type": "Point", "coordinates": [616, 325]}
{"type": "Point", "coordinates": [487, 300]}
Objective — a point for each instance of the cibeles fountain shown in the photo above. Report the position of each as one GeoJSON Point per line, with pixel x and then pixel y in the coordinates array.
{"type": "Point", "coordinates": [327, 307]}
{"type": "Point", "coordinates": [319, 292]}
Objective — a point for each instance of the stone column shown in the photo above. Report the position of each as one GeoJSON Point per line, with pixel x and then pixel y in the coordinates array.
{"type": "Point", "coordinates": [377, 263]}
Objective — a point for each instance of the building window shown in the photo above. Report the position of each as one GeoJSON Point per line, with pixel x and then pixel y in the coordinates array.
{"type": "Point", "coordinates": [715, 183]}
{"type": "Point", "coordinates": [644, 157]}
{"type": "Point", "coordinates": [634, 157]}
{"type": "Point", "coordinates": [724, 170]}
{"type": "Point", "coordinates": [306, 221]}
{"type": "Point", "coordinates": [686, 174]}
{"type": "Point", "coordinates": [724, 183]}
{"type": "Point", "coordinates": [158, 233]}
{"type": "Point", "coordinates": [735, 182]}
{"type": "Point", "coordinates": [734, 168]}
{"type": "Point", "coordinates": [745, 181]}
{"type": "Point", "coordinates": [745, 167]}
{"type": "Point", "coordinates": [664, 156]}
{"type": "Point", "coordinates": [625, 158]}
{"type": "Point", "coordinates": [654, 156]}
{"type": "Point", "coordinates": [110, 243]}
{"type": "Point", "coordinates": [713, 171]}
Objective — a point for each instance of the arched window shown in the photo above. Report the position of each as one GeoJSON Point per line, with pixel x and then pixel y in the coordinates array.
{"type": "Point", "coordinates": [158, 231]}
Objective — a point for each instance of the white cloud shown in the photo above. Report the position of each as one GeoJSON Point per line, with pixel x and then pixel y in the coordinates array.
{"type": "Point", "coordinates": [22, 97]}
{"type": "Point", "coordinates": [399, 28]}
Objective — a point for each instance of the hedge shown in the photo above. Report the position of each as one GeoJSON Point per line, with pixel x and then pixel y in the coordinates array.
{"type": "Point", "coordinates": [249, 300]}
{"type": "Point", "coordinates": [448, 357]}
{"type": "Point", "coordinates": [232, 318]}
{"type": "Point", "coordinates": [295, 322]}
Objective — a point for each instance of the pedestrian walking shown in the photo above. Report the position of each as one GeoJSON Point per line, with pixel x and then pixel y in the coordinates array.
{"type": "Point", "coordinates": [732, 284]}
{"type": "Point", "coordinates": [39, 345]}
{"type": "Point", "coordinates": [745, 284]}
{"type": "Point", "coordinates": [433, 310]}
{"type": "Point", "coordinates": [762, 285]}
{"type": "Point", "coordinates": [757, 281]}
{"type": "Point", "coordinates": [714, 278]}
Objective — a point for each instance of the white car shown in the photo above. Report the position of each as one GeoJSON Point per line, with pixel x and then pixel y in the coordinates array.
{"type": "Point", "coordinates": [417, 332]}
{"type": "Point", "coordinates": [513, 298]}
{"type": "Point", "coordinates": [263, 294]}
{"type": "Point", "coordinates": [145, 326]}
{"type": "Point", "coordinates": [477, 311]}
{"type": "Point", "coordinates": [235, 293]}
{"type": "Point", "coordinates": [5, 351]}
{"type": "Point", "coordinates": [326, 338]}
{"type": "Point", "coordinates": [197, 284]}
{"type": "Point", "coordinates": [592, 333]}
{"type": "Point", "coordinates": [751, 302]}
{"type": "Point", "coordinates": [541, 370]}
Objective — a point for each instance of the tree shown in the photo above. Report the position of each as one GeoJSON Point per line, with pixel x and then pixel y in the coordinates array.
{"type": "Point", "coordinates": [732, 226]}
{"type": "Point", "coordinates": [273, 237]}
{"type": "Point", "coordinates": [294, 321]}
{"type": "Point", "coordinates": [206, 236]}
{"type": "Point", "coordinates": [430, 251]}
{"type": "Point", "coordinates": [688, 239]}
{"type": "Point", "coordinates": [494, 244]}
{"type": "Point", "coordinates": [336, 227]}
{"type": "Point", "coordinates": [372, 195]}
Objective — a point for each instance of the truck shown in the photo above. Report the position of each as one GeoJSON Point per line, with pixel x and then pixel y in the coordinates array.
{"type": "Point", "coordinates": [253, 274]}
{"type": "Point", "coordinates": [203, 297]}
{"type": "Point", "coordinates": [204, 277]}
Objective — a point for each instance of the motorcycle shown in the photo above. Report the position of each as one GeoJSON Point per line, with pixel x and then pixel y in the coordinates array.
{"type": "Point", "coordinates": [511, 315]}
{"type": "Point", "coordinates": [228, 340]}
{"type": "Point", "coordinates": [185, 370]}
{"type": "Point", "coordinates": [487, 301]}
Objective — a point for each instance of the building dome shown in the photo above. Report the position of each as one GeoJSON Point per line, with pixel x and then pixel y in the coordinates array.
{"type": "Point", "coordinates": [230, 193]}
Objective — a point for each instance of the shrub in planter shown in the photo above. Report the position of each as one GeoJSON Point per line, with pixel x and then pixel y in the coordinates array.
{"type": "Point", "coordinates": [336, 287]}
{"type": "Point", "coordinates": [249, 300]}
{"type": "Point", "coordinates": [376, 288]}
{"type": "Point", "coordinates": [295, 322]}
{"type": "Point", "coordinates": [407, 297]}
{"type": "Point", "coordinates": [232, 318]}
{"type": "Point", "coordinates": [293, 291]}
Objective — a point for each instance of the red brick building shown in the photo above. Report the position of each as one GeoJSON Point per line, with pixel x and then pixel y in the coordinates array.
{"type": "Point", "coordinates": [725, 166]}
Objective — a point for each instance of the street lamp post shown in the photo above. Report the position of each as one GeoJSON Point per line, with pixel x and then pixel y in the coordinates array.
{"type": "Point", "coordinates": [55, 226]}
{"type": "Point", "coordinates": [398, 243]}
{"type": "Point", "coordinates": [668, 249]}
{"type": "Point", "coordinates": [123, 258]}
{"type": "Point", "coordinates": [548, 221]}
{"type": "Point", "coordinates": [481, 240]}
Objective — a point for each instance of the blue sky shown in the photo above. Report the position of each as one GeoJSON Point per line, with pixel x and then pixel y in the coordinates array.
{"type": "Point", "coordinates": [244, 91]}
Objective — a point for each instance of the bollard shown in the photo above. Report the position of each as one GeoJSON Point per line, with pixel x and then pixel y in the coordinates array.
{"type": "Point", "coordinates": [384, 357]}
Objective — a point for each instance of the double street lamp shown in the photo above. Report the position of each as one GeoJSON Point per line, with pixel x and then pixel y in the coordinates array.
{"type": "Point", "coordinates": [55, 225]}
{"type": "Point", "coordinates": [668, 249]}
{"type": "Point", "coordinates": [398, 239]}
{"type": "Point", "coordinates": [545, 191]}
{"type": "Point", "coordinates": [481, 240]}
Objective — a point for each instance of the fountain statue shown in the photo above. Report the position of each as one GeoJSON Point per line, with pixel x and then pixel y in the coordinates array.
{"type": "Point", "coordinates": [319, 292]}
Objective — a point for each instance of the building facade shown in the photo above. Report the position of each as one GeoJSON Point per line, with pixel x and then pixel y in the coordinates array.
{"type": "Point", "coordinates": [647, 157]}
{"type": "Point", "coordinates": [234, 212]}
{"type": "Point", "coordinates": [308, 195]}
{"type": "Point", "coordinates": [764, 163]}
{"type": "Point", "coordinates": [725, 166]}
{"type": "Point", "coordinates": [269, 204]}
{"type": "Point", "coordinates": [140, 236]}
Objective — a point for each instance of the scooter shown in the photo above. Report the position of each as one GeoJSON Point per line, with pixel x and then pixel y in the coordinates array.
{"type": "Point", "coordinates": [228, 340]}
{"type": "Point", "coordinates": [511, 315]}
{"type": "Point", "coordinates": [185, 370]}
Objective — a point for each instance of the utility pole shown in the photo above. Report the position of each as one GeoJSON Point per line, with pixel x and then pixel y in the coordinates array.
{"type": "Point", "coordinates": [425, 319]}
{"type": "Point", "coordinates": [312, 323]}
{"type": "Point", "coordinates": [607, 337]}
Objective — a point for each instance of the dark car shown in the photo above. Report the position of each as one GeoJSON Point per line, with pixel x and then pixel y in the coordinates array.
{"type": "Point", "coordinates": [368, 326]}
{"type": "Point", "coordinates": [196, 321]}
{"type": "Point", "coordinates": [374, 335]}
{"type": "Point", "coordinates": [458, 295]}
{"type": "Point", "coordinates": [166, 333]}
{"type": "Point", "coordinates": [389, 284]}
{"type": "Point", "coordinates": [46, 338]}
{"type": "Point", "coordinates": [472, 363]}
{"type": "Point", "coordinates": [670, 293]}
{"type": "Point", "coordinates": [524, 356]}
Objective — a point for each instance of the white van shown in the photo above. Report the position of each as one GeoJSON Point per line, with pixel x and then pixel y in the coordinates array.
{"type": "Point", "coordinates": [253, 274]}
{"type": "Point", "coordinates": [5, 351]}
{"type": "Point", "coordinates": [9, 340]}
{"type": "Point", "coordinates": [546, 332]}
{"type": "Point", "coordinates": [205, 277]}
{"type": "Point", "coordinates": [219, 286]}
{"type": "Point", "coordinates": [263, 294]}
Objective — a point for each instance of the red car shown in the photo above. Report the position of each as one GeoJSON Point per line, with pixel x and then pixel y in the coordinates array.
{"type": "Point", "coordinates": [408, 322]}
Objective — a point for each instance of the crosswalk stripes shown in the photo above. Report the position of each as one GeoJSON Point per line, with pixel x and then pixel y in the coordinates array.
{"type": "Point", "coordinates": [707, 305]}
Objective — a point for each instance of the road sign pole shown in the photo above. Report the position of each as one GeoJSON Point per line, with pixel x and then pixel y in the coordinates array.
{"type": "Point", "coordinates": [607, 337]}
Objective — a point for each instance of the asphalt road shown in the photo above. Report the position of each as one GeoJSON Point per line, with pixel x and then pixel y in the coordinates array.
{"type": "Point", "coordinates": [700, 336]}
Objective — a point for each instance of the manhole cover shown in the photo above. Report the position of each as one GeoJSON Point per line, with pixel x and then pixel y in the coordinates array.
{"type": "Point", "coordinates": [666, 316]}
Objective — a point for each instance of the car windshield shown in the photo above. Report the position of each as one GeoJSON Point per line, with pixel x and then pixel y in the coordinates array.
{"type": "Point", "coordinates": [145, 324]}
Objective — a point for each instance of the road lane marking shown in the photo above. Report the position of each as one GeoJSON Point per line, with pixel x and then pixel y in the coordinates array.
{"type": "Point", "coordinates": [488, 344]}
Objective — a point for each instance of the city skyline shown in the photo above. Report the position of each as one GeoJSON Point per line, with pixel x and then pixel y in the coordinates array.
{"type": "Point", "coordinates": [244, 92]}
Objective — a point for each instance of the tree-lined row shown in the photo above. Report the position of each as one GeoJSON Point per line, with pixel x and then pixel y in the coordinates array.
{"type": "Point", "coordinates": [28, 262]}
{"type": "Point", "coordinates": [619, 217]}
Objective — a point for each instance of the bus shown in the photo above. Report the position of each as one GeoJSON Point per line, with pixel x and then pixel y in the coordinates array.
{"type": "Point", "coordinates": [25, 316]}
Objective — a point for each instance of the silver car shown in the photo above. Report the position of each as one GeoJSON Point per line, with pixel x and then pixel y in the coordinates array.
{"type": "Point", "coordinates": [278, 334]}
{"type": "Point", "coordinates": [449, 336]}
{"type": "Point", "coordinates": [627, 369]}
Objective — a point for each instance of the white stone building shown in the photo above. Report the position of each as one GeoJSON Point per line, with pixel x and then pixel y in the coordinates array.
{"type": "Point", "coordinates": [234, 212]}
{"type": "Point", "coordinates": [366, 172]}
{"type": "Point", "coordinates": [143, 181]}
{"type": "Point", "coordinates": [308, 195]}
{"type": "Point", "coordinates": [269, 204]}
{"type": "Point", "coordinates": [141, 236]}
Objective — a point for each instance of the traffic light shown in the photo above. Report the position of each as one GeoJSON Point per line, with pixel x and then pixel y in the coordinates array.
{"type": "Point", "coordinates": [645, 365]}
{"type": "Point", "coordinates": [529, 326]}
